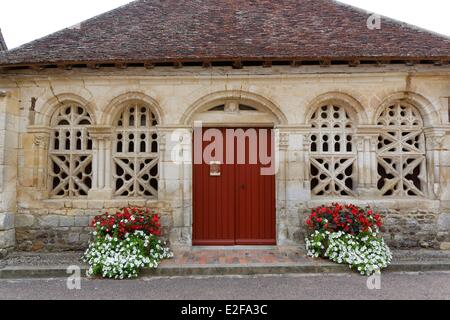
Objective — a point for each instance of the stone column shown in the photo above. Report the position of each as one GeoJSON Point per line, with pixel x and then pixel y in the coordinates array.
{"type": "Point", "coordinates": [175, 180]}
{"type": "Point", "coordinates": [9, 137]}
{"type": "Point", "coordinates": [366, 140]}
{"type": "Point", "coordinates": [102, 140]}
{"type": "Point", "coordinates": [434, 151]}
{"type": "Point", "coordinates": [36, 162]}
{"type": "Point", "coordinates": [293, 190]}
{"type": "Point", "coordinates": [281, 148]}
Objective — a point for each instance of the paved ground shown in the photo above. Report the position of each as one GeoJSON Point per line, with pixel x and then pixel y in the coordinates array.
{"type": "Point", "coordinates": [290, 287]}
{"type": "Point", "coordinates": [216, 257]}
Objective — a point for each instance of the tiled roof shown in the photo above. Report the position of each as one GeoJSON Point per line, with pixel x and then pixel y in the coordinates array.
{"type": "Point", "coordinates": [199, 30]}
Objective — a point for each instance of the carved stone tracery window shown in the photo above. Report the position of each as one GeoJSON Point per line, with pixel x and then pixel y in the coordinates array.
{"type": "Point", "coordinates": [401, 152]}
{"type": "Point", "coordinates": [70, 152]}
{"type": "Point", "coordinates": [136, 153]}
{"type": "Point", "coordinates": [332, 152]}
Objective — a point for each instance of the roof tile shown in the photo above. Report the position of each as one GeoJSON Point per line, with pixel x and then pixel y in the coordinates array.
{"type": "Point", "coordinates": [156, 30]}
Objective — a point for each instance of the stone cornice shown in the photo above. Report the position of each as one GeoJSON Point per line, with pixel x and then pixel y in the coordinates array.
{"type": "Point", "coordinates": [437, 130]}
{"type": "Point", "coordinates": [39, 129]}
{"type": "Point", "coordinates": [300, 128]}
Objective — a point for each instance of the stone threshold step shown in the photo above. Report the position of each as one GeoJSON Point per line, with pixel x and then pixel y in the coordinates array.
{"type": "Point", "coordinates": [24, 272]}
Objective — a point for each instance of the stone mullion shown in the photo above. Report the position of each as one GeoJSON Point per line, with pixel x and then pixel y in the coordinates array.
{"type": "Point", "coordinates": [366, 158]}
{"type": "Point", "coordinates": [306, 164]}
{"type": "Point", "coordinates": [101, 163]}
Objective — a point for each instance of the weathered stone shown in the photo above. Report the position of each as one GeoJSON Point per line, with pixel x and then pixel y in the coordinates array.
{"type": "Point", "coordinates": [6, 221]}
{"type": "Point", "coordinates": [80, 204]}
{"type": "Point", "coordinates": [25, 220]}
{"type": "Point", "coordinates": [81, 221]}
{"type": "Point", "coordinates": [73, 237]}
{"type": "Point", "coordinates": [444, 222]}
{"type": "Point", "coordinates": [68, 221]}
{"type": "Point", "coordinates": [445, 246]}
{"type": "Point", "coordinates": [37, 246]}
{"type": "Point", "coordinates": [85, 238]}
{"type": "Point", "coordinates": [96, 204]}
{"type": "Point", "coordinates": [48, 221]}
{"type": "Point", "coordinates": [7, 239]}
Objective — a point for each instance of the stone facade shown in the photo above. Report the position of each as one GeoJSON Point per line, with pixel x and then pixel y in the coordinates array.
{"type": "Point", "coordinates": [33, 216]}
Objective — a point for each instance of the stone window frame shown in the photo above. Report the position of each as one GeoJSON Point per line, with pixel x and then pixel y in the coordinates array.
{"type": "Point", "coordinates": [70, 152]}
{"type": "Point", "coordinates": [332, 152]}
{"type": "Point", "coordinates": [130, 168]}
{"type": "Point", "coordinates": [402, 173]}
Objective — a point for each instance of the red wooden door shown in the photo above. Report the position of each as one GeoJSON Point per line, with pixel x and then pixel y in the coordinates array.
{"type": "Point", "coordinates": [236, 207]}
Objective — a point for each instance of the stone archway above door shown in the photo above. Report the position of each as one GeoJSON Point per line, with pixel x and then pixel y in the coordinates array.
{"type": "Point", "coordinates": [234, 108]}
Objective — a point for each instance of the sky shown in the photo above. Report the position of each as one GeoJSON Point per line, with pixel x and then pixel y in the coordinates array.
{"type": "Point", "coordinates": [22, 21]}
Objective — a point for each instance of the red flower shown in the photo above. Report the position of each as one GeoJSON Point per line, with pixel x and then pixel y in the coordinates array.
{"type": "Point", "coordinates": [348, 218]}
{"type": "Point", "coordinates": [137, 219]}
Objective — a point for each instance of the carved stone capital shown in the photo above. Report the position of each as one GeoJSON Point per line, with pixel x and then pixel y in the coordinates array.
{"type": "Point", "coordinates": [41, 136]}
{"type": "Point", "coordinates": [101, 132]}
{"type": "Point", "coordinates": [283, 140]}
{"type": "Point", "coordinates": [41, 141]}
{"type": "Point", "coordinates": [435, 142]}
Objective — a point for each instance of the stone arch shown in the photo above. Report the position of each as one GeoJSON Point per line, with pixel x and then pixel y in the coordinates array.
{"type": "Point", "coordinates": [428, 111]}
{"type": "Point", "coordinates": [114, 108]}
{"type": "Point", "coordinates": [353, 106]}
{"type": "Point", "coordinates": [44, 116]}
{"type": "Point", "coordinates": [261, 103]}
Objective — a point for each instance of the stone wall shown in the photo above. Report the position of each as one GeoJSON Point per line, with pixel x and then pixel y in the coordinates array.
{"type": "Point", "coordinates": [425, 226]}
{"type": "Point", "coordinates": [63, 229]}
{"type": "Point", "coordinates": [9, 111]}
{"type": "Point", "coordinates": [284, 97]}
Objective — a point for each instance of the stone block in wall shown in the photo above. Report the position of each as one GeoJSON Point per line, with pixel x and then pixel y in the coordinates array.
{"type": "Point", "coordinates": [79, 204]}
{"type": "Point", "coordinates": [180, 236]}
{"type": "Point", "coordinates": [48, 221]}
{"type": "Point", "coordinates": [73, 237]}
{"type": "Point", "coordinates": [67, 221]}
{"type": "Point", "coordinates": [137, 203]}
{"type": "Point", "coordinates": [25, 220]}
{"type": "Point", "coordinates": [444, 222]}
{"type": "Point", "coordinates": [81, 221]}
{"type": "Point", "coordinates": [7, 239]}
{"type": "Point", "coordinates": [96, 204]}
{"type": "Point", "coordinates": [6, 221]}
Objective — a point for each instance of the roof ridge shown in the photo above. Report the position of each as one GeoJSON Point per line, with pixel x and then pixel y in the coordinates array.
{"type": "Point", "coordinates": [3, 46]}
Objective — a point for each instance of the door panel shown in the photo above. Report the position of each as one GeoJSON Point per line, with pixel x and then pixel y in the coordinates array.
{"type": "Point", "coordinates": [237, 207]}
{"type": "Point", "coordinates": [255, 210]}
{"type": "Point", "coordinates": [214, 204]}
